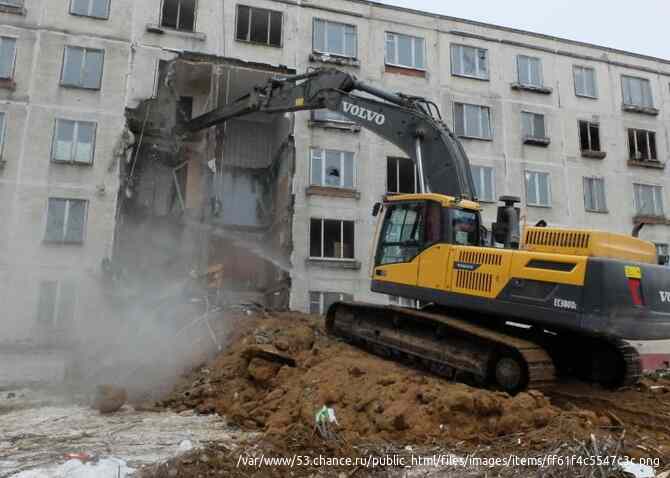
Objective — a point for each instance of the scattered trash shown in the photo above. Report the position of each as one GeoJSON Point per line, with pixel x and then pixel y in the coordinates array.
{"type": "Point", "coordinates": [104, 468]}
{"type": "Point", "coordinates": [83, 457]}
{"type": "Point", "coordinates": [638, 470]}
{"type": "Point", "coordinates": [325, 420]}
{"type": "Point", "coordinates": [185, 446]}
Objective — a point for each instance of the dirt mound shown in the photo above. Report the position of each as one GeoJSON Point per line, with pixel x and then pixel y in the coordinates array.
{"type": "Point", "coordinates": [276, 377]}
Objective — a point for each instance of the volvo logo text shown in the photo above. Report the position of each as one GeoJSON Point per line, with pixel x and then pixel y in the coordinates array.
{"type": "Point", "coordinates": [364, 113]}
{"type": "Point", "coordinates": [665, 295]}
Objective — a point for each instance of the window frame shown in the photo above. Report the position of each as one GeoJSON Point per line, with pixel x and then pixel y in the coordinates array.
{"type": "Point", "coordinates": [540, 73]}
{"type": "Point", "coordinates": [397, 63]}
{"type": "Point", "coordinates": [397, 160]}
{"type": "Point", "coordinates": [343, 296]}
{"type": "Point", "coordinates": [3, 131]}
{"type": "Point", "coordinates": [75, 136]}
{"type": "Point", "coordinates": [459, 46]}
{"type": "Point", "coordinates": [66, 221]}
{"type": "Point", "coordinates": [330, 53]}
{"type": "Point", "coordinates": [637, 149]}
{"type": "Point", "coordinates": [81, 68]}
{"type": "Point", "coordinates": [589, 124]}
{"type": "Point", "coordinates": [643, 80]}
{"type": "Point", "coordinates": [342, 154]}
{"type": "Point", "coordinates": [603, 208]}
{"type": "Point", "coordinates": [654, 187]}
{"type": "Point", "coordinates": [270, 12]}
{"type": "Point", "coordinates": [479, 180]}
{"type": "Point", "coordinates": [56, 312]}
{"type": "Point", "coordinates": [344, 119]}
{"type": "Point", "coordinates": [666, 247]}
{"type": "Point", "coordinates": [89, 15]}
{"type": "Point", "coordinates": [549, 195]}
{"type": "Point", "coordinates": [595, 81]}
{"type": "Point", "coordinates": [195, 17]}
{"type": "Point", "coordinates": [14, 55]}
{"type": "Point", "coordinates": [533, 135]}
{"type": "Point", "coordinates": [465, 133]}
{"type": "Point", "coordinates": [323, 248]}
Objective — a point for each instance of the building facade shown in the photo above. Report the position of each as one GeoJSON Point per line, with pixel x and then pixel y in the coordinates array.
{"type": "Point", "coordinates": [579, 132]}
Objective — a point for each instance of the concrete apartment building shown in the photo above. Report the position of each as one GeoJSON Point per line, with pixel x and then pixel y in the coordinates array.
{"type": "Point", "coordinates": [579, 132]}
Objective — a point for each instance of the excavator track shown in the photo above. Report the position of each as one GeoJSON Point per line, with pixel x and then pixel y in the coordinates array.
{"type": "Point", "coordinates": [445, 345]}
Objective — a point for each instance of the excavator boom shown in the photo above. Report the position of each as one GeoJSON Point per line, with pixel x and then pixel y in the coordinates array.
{"type": "Point", "coordinates": [411, 123]}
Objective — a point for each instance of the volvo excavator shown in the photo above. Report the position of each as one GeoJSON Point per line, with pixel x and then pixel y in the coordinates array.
{"type": "Point", "coordinates": [502, 308]}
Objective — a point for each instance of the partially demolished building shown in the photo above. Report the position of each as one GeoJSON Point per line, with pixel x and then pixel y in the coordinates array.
{"type": "Point", "coordinates": [104, 204]}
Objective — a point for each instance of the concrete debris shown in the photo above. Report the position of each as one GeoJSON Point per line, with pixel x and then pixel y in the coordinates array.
{"type": "Point", "coordinates": [104, 468]}
{"type": "Point", "coordinates": [109, 398]}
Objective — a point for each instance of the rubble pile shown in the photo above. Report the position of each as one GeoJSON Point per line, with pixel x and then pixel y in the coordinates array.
{"type": "Point", "coordinates": [280, 374]}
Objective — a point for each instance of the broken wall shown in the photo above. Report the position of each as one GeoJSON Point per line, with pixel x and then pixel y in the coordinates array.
{"type": "Point", "coordinates": [219, 196]}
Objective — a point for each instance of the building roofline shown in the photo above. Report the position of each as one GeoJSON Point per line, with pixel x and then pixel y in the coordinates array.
{"type": "Point", "coordinates": [440, 16]}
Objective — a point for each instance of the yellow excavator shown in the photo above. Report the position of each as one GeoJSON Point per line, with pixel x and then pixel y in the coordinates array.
{"type": "Point", "coordinates": [502, 308]}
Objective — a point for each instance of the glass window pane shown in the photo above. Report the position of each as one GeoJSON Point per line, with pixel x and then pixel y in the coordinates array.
{"type": "Point", "coordinates": [333, 173]}
{"type": "Point", "coordinates": [315, 238]}
{"type": "Point", "coordinates": [7, 48]}
{"type": "Point", "coordinates": [348, 239]}
{"type": "Point", "coordinates": [80, 7]}
{"type": "Point", "coordinates": [332, 238]}
{"type": "Point", "coordinates": [483, 63]}
{"type": "Point", "coordinates": [472, 121]}
{"type": "Point", "coordinates": [55, 220]}
{"type": "Point", "coordinates": [588, 193]}
{"type": "Point", "coordinates": [459, 123]}
{"type": "Point", "coordinates": [646, 94]}
{"type": "Point", "coordinates": [595, 137]}
{"type": "Point", "coordinates": [259, 25]}
{"type": "Point", "coordinates": [348, 173]}
{"type": "Point", "coordinates": [652, 145]}
{"type": "Point", "coordinates": [419, 49]}
{"type": "Point", "coordinates": [335, 38]}
{"type": "Point", "coordinates": [100, 8]}
{"type": "Point", "coordinates": [2, 129]}
{"type": "Point", "coordinates": [391, 175]}
{"type": "Point", "coordinates": [538, 127]}
{"type": "Point", "coordinates": [527, 124]}
{"type": "Point", "coordinates": [85, 139]}
{"type": "Point", "coordinates": [407, 176]}
{"type": "Point", "coordinates": [319, 35]}
{"type": "Point", "coordinates": [74, 58]}
{"type": "Point", "coordinates": [92, 69]}
{"type": "Point", "coordinates": [531, 188]}
{"type": "Point", "coordinates": [579, 80]}
{"type": "Point", "coordinates": [170, 9]}
{"type": "Point", "coordinates": [390, 53]}
{"type": "Point", "coordinates": [63, 142]}
{"type": "Point", "coordinates": [457, 66]}
{"type": "Point", "coordinates": [469, 61]}
{"type": "Point", "coordinates": [522, 67]}
{"type": "Point", "coordinates": [76, 218]}
{"type": "Point", "coordinates": [275, 28]}
{"type": "Point", "coordinates": [632, 148]}
{"type": "Point", "coordinates": [317, 165]}
{"type": "Point", "coordinates": [243, 22]}
{"type": "Point", "coordinates": [535, 72]}
{"type": "Point", "coordinates": [658, 200]}
{"type": "Point", "coordinates": [404, 50]}
{"type": "Point", "coordinates": [187, 15]}
{"type": "Point", "coordinates": [486, 122]}
{"type": "Point", "coordinates": [46, 304]}
{"type": "Point", "coordinates": [543, 183]}
{"type": "Point", "coordinates": [351, 41]}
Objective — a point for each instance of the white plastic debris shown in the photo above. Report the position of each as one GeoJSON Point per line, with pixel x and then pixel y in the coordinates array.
{"type": "Point", "coordinates": [638, 470]}
{"type": "Point", "coordinates": [105, 468]}
{"type": "Point", "coordinates": [185, 446]}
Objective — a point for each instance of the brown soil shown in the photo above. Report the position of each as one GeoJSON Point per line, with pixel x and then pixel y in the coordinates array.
{"type": "Point", "coordinates": [379, 403]}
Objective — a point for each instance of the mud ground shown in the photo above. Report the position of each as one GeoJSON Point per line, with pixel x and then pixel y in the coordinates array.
{"type": "Point", "coordinates": [387, 409]}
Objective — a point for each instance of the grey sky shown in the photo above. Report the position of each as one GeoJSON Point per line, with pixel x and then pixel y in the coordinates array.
{"type": "Point", "coordinates": [641, 26]}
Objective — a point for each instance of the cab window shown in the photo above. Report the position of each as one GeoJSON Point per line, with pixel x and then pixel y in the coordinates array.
{"type": "Point", "coordinates": [465, 227]}
{"type": "Point", "coordinates": [408, 228]}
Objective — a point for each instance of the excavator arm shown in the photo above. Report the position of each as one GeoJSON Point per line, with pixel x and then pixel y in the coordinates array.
{"type": "Point", "coordinates": [411, 123]}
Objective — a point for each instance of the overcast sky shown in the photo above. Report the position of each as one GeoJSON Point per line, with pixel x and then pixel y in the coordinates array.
{"type": "Point", "coordinates": [641, 26]}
